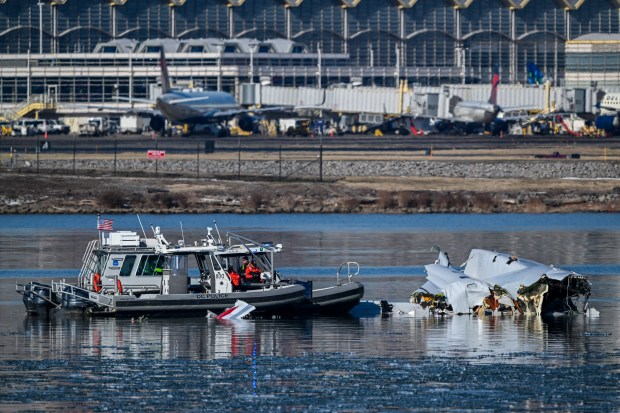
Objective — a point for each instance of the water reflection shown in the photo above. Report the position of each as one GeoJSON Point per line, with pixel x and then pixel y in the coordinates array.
{"type": "Point", "coordinates": [505, 339]}
{"type": "Point", "coordinates": [355, 364]}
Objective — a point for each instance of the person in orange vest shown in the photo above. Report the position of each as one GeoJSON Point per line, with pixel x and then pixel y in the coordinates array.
{"type": "Point", "coordinates": [235, 278]}
{"type": "Point", "coordinates": [250, 270]}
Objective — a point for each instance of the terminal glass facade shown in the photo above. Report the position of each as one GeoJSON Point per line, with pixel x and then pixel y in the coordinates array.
{"type": "Point", "coordinates": [377, 42]}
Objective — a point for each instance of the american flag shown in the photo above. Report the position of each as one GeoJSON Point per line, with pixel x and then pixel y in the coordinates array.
{"type": "Point", "coordinates": [104, 224]}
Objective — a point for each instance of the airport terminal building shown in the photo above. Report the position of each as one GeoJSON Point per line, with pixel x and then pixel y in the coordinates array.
{"type": "Point", "coordinates": [94, 50]}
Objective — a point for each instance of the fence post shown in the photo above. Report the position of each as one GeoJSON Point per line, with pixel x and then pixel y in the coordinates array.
{"type": "Point", "coordinates": [156, 157]}
{"type": "Point", "coordinates": [280, 162]}
{"type": "Point", "coordinates": [197, 161]}
{"type": "Point", "coordinates": [115, 149]}
{"type": "Point", "coordinates": [74, 149]}
{"type": "Point", "coordinates": [38, 150]}
{"type": "Point", "coordinates": [321, 164]}
{"type": "Point", "coordinates": [239, 159]}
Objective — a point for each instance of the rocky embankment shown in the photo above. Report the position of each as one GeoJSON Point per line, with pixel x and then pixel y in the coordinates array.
{"type": "Point", "coordinates": [184, 186]}
{"type": "Point", "coordinates": [516, 169]}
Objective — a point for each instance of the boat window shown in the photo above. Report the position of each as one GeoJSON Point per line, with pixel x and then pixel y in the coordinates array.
{"type": "Point", "coordinates": [216, 263]}
{"type": "Point", "coordinates": [202, 265]}
{"type": "Point", "coordinates": [127, 265]}
{"type": "Point", "coordinates": [150, 265]}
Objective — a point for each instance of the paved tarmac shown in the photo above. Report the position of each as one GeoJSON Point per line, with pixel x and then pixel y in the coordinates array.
{"type": "Point", "coordinates": [388, 143]}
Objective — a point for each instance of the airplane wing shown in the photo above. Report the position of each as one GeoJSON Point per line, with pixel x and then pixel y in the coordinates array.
{"type": "Point", "coordinates": [128, 110]}
{"type": "Point", "coordinates": [231, 113]}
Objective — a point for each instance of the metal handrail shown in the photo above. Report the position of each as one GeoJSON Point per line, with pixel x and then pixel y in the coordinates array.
{"type": "Point", "coordinates": [349, 264]}
{"type": "Point", "coordinates": [58, 287]}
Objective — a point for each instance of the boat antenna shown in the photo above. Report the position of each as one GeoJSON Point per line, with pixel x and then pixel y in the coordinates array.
{"type": "Point", "coordinates": [218, 231]}
{"type": "Point", "coordinates": [182, 234]}
{"type": "Point", "coordinates": [140, 221]}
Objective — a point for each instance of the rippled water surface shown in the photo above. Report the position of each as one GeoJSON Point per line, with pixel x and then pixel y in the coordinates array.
{"type": "Point", "coordinates": [368, 363]}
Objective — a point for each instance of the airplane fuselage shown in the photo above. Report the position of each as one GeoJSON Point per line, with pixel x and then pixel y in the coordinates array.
{"type": "Point", "coordinates": [610, 105]}
{"type": "Point", "coordinates": [609, 118]}
{"type": "Point", "coordinates": [475, 112]}
{"type": "Point", "coordinates": [181, 106]}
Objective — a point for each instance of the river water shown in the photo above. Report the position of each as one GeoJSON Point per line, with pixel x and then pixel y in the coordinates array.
{"type": "Point", "coordinates": [374, 364]}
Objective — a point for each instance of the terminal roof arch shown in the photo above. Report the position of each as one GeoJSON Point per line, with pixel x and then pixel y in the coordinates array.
{"type": "Point", "coordinates": [423, 32]}
{"type": "Point", "coordinates": [201, 33]}
{"type": "Point", "coordinates": [545, 33]}
{"type": "Point", "coordinates": [373, 31]}
{"type": "Point", "coordinates": [476, 33]}
{"type": "Point", "coordinates": [27, 27]}
{"type": "Point", "coordinates": [188, 31]}
{"type": "Point", "coordinates": [306, 32]}
{"type": "Point", "coordinates": [128, 31]}
{"type": "Point", "coordinates": [267, 33]}
{"type": "Point", "coordinates": [86, 28]}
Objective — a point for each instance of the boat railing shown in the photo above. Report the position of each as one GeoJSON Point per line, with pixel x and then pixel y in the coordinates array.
{"type": "Point", "coordinates": [89, 262]}
{"type": "Point", "coordinates": [71, 290]}
{"type": "Point", "coordinates": [353, 269]}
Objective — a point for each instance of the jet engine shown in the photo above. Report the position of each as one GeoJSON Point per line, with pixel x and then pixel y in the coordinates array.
{"type": "Point", "coordinates": [158, 123]}
{"type": "Point", "coordinates": [246, 123]}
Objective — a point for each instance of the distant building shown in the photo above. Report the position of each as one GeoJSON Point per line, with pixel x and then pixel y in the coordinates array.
{"type": "Point", "coordinates": [593, 60]}
{"type": "Point", "coordinates": [90, 51]}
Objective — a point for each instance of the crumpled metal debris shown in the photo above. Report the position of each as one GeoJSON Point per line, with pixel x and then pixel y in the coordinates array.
{"type": "Point", "coordinates": [490, 282]}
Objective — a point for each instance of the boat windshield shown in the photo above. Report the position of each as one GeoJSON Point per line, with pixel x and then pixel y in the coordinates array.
{"type": "Point", "coordinates": [150, 265]}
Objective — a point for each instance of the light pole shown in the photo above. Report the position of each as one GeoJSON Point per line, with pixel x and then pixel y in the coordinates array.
{"type": "Point", "coordinates": [319, 71]}
{"type": "Point", "coordinates": [40, 4]}
{"type": "Point", "coordinates": [397, 67]}
{"type": "Point", "coordinates": [219, 67]}
{"type": "Point", "coordinates": [253, 45]}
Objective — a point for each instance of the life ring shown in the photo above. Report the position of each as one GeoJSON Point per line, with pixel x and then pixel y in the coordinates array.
{"type": "Point", "coordinates": [119, 286]}
{"type": "Point", "coordinates": [96, 282]}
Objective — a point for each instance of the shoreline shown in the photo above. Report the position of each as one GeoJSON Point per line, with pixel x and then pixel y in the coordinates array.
{"type": "Point", "coordinates": [394, 187]}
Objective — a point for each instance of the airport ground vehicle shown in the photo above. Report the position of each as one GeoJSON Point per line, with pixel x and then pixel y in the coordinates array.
{"type": "Point", "coordinates": [295, 126]}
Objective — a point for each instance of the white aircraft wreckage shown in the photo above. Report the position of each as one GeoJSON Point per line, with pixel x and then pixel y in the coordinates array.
{"type": "Point", "coordinates": [491, 282]}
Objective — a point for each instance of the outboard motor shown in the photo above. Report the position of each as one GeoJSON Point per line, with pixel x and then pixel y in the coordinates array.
{"type": "Point", "coordinates": [74, 298]}
{"type": "Point", "coordinates": [37, 298]}
{"type": "Point", "coordinates": [386, 308]}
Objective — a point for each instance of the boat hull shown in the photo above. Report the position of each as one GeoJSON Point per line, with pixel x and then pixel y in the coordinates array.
{"type": "Point", "coordinates": [273, 301]}
{"type": "Point", "coordinates": [334, 301]}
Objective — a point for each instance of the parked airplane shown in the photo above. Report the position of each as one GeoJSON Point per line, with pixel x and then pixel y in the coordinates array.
{"type": "Point", "coordinates": [195, 106]}
{"type": "Point", "coordinates": [468, 111]}
{"type": "Point", "coordinates": [470, 115]}
{"type": "Point", "coordinates": [609, 118]}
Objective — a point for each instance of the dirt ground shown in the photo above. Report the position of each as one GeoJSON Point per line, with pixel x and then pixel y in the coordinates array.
{"type": "Point", "coordinates": [42, 193]}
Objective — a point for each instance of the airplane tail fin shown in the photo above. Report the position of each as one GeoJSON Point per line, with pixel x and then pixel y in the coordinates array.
{"type": "Point", "coordinates": [534, 75]}
{"type": "Point", "coordinates": [494, 83]}
{"type": "Point", "coordinates": [165, 79]}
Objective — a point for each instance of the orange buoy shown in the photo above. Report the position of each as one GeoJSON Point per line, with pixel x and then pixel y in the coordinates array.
{"type": "Point", "coordinates": [96, 282]}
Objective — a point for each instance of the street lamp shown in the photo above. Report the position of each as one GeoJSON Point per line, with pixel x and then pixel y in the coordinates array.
{"type": "Point", "coordinates": [397, 66]}
{"type": "Point", "coordinates": [319, 71]}
{"type": "Point", "coordinates": [253, 46]}
{"type": "Point", "coordinates": [219, 67]}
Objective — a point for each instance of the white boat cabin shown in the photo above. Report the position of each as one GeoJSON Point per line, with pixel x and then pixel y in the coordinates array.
{"type": "Point", "coordinates": [121, 262]}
